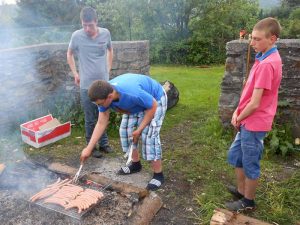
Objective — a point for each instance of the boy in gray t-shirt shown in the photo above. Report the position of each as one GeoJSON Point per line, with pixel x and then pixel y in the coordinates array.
{"type": "Point", "coordinates": [92, 45]}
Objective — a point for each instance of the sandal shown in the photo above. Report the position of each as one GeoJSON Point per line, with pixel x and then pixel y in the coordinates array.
{"type": "Point", "coordinates": [154, 184]}
{"type": "Point", "coordinates": [125, 170]}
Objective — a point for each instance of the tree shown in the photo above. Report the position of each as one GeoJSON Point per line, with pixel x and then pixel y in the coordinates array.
{"type": "Point", "coordinates": [6, 15]}
{"type": "Point", "coordinates": [294, 24]}
{"type": "Point", "coordinates": [216, 22]}
{"type": "Point", "coordinates": [291, 3]}
{"type": "Point", "coordinates": [37, 13]}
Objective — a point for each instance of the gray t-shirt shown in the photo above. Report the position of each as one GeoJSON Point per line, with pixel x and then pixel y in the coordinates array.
{"type": "Point", "coordinates": [91, 55]}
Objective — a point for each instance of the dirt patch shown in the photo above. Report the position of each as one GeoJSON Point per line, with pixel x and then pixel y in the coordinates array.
{"type": "Point", "coordinates": [177, 193]}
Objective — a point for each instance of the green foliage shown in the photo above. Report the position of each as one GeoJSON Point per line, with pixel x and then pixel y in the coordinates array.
{"type": "Point", "coordinates": [294, 23]}
{"type": "Point", "coordinates": [217, 22]}
{"type": "Point", "coordinates": [114, 123]}
{"type": "Point", "coordinates": [47, 13]}
{"type": "Point", "coordinates": [279, 140]}
{"type": "Point", "coordinates": [279, 197]}
{"type": "Point", "coordinates": [288, 14]}
{"type": "Point", "coordinates": [7, 12]}
{"type": "Point", "coordinates": [67, 109]}
{"type": "Point", "coordinates": [180, 31]}
{"type": "Point", "coordinates": [188, 52]}
{"type": "Point", "coordinates": [291, 3]}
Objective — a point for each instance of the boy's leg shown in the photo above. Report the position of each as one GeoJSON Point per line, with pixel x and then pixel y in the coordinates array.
{"type": "Point", "coordinates": [245, 186]}
{"type": "Point", "coordinates": [135, 155]}
{"type": "Point", "coordinates": [240, 176]}
{"type": "Point", "coordinates": [156, 166]}
{"type": "Point", "coordinates": [152, 146]}
{"type": "Point", "coordinates": [234, 158]}
{"type": "Point", "coordinates": [252, 148]}
{"type": "Point", "coordinates": [128, 124]}
{"type": "Point", "coordinates": [250, 188]}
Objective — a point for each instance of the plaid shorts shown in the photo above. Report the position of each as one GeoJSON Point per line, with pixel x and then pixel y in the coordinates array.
{"type": "Point", "coordinates": [151, 146]}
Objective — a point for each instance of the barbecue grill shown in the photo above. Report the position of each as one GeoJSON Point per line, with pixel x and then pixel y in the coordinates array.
{"type": "Point", "coordinates": [73, 212]}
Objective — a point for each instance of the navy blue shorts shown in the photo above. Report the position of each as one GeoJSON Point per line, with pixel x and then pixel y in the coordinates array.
{"type": "Point", "coordinates": [246, 151]}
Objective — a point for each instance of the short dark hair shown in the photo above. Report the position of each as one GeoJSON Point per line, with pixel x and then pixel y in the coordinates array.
{"type": "Point", "coordinates": [99, 89]}
{"type": "Point", "coordinates": [88, 14]}
{"type": "Point", "coordinates": [270, 25]}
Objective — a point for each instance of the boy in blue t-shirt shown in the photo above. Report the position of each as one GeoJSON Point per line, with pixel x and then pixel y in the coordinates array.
{"type": "Point", "coordinates": [143, 103]}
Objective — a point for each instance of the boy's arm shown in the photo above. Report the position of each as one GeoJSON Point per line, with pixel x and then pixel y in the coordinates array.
{"type": "Point", "coordinates": [99, 129]}
{"type": "Point", "coordinates": [251, 106]}
{"type": "Point", "coordinates": [110, 54]}
{"type": "Point", "coordinates": [149, 114]}
{"type": "Point", "coordinates": [72, 65]}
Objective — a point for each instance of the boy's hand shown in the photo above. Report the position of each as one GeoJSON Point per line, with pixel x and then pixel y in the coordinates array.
{"type": "Point", "coordinates": [85, 154]}
{"type": "Point", "coordinates": [77, 79]}
{"type": "Point", "coordinates": [136, 135]}
{"type": "Point", "coordinates": [234, 121]}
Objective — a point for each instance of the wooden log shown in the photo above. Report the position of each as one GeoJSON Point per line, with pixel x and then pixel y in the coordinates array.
{"type": "Point", "coordinates": [115, 185]}
{"type": "Point", "coordinates": [146, 210]}
{"type": "Point", "coordinates": [225, 217]}
{"type": "Point", "coordinates": [118, 185]}
{"type": "Point", "coordinates": [62, 168]}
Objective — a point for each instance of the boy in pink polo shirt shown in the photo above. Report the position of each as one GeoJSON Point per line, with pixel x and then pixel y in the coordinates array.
{"type": "Point", "coordinates": [255, 113]}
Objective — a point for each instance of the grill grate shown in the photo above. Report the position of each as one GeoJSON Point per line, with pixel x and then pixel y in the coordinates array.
{"type": "Point", "coordinates": [73, 212]}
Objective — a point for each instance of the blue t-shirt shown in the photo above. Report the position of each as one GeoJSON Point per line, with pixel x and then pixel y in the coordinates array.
{"type": "Point", "coordinates": [136, 93]}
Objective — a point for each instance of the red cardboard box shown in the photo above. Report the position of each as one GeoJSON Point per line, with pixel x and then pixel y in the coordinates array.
{"type": "Point", "coordinates": [44, 130]}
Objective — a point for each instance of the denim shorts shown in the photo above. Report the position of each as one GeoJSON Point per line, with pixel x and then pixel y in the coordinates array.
{"type": "Point", "coordinates": [246, 151]}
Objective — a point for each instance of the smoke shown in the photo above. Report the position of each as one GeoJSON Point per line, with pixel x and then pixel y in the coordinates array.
{"type": "Point", "coordinates": [32, 80]}
{"type": "Point", "coordinates": [20, 174]}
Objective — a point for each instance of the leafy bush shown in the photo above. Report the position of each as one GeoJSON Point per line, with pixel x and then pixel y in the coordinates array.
{"type": "Point", "coordinates": [68, 109]}
{"type": "Point", "coordinates": [188, 52]}
{"type": "Point", "coordinates": [279, 139]}
{"type": "Point", "coordinates": [114, 123]}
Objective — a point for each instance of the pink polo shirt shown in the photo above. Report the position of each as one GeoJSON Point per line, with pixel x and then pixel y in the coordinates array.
{"type": "Point", "coordinates": [266, 73]}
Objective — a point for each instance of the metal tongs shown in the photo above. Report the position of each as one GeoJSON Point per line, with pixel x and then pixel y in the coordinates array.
{"type": "Point", "coordinates": [75, 179]}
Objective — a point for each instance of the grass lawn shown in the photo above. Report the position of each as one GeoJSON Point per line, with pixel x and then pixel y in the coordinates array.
{"type": "Point", "coordinates": [203, 161]}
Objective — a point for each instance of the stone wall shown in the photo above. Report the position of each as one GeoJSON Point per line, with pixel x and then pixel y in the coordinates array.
{"type": "Point", "coordinates": [289, 94]}
{"type": "Point", "coordinates": [36, 80]}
